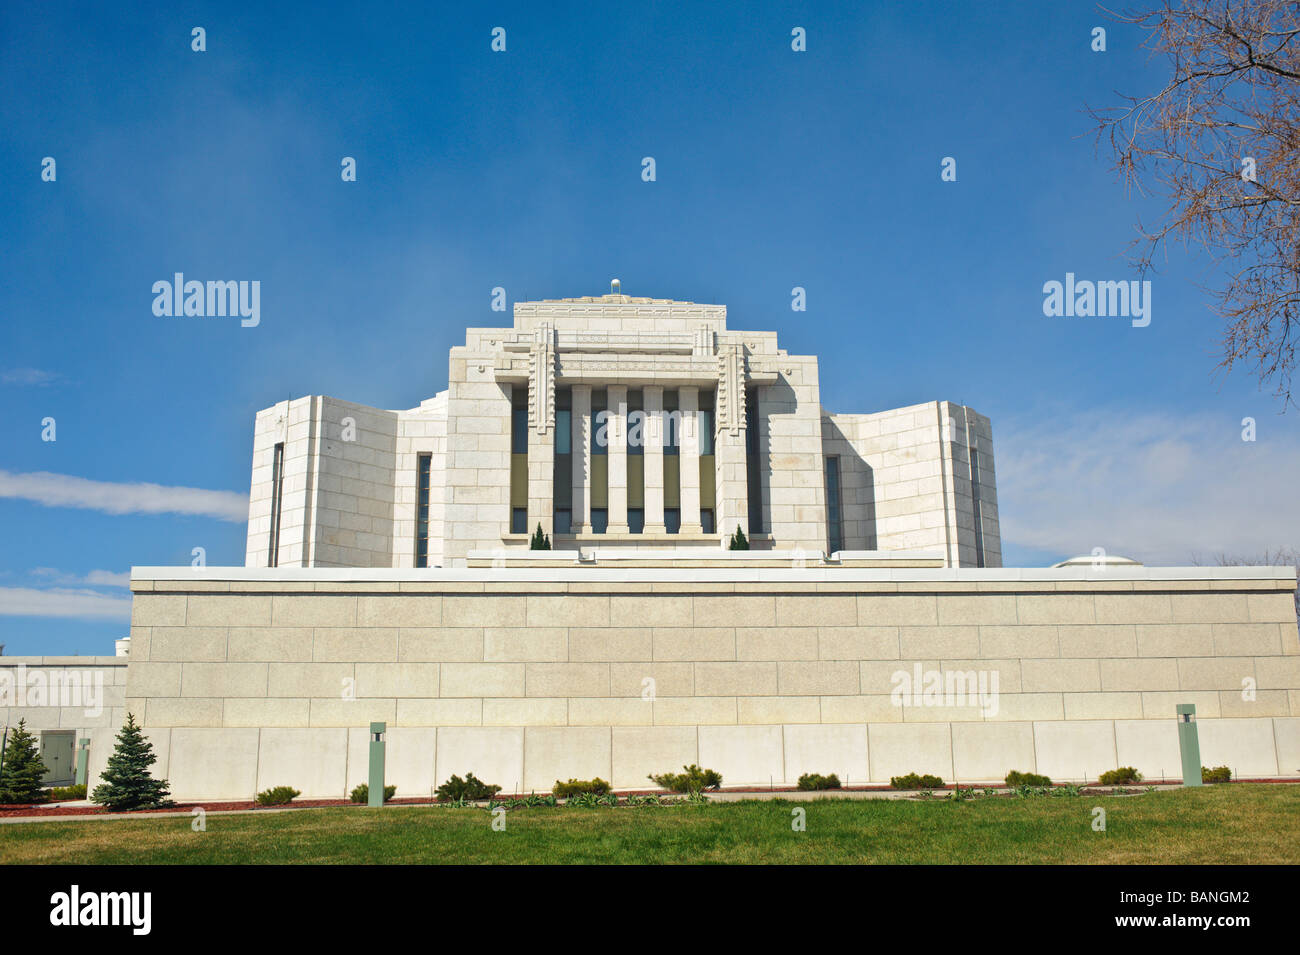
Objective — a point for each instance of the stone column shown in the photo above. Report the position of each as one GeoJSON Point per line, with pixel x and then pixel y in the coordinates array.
{"type": "Point", "coordinates": [581, 448]}
{"type": "Point", "coordinates": [732, 489]}
{"type": "Point", "coordinates": [688, 401]}
{"type": "Point", "coordinates": [617, 432]}
{"type": "Point", "coordinates": [653, 433]}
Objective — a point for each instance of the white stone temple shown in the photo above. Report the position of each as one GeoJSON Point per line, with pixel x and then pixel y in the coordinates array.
{"type": "Point", "coordinates": [620, 422]}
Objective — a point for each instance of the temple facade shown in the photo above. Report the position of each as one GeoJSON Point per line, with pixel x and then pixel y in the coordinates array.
{"type": "Point", "coordinates": [870, 631]}
{"type": "Point", "coordinates": [617, 421]}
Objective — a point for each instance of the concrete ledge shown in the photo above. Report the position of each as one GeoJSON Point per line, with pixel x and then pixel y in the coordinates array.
{"type": "Point", "coordinates": [708, 579]}
{"type": "Point", "coordinates": [62, 662]}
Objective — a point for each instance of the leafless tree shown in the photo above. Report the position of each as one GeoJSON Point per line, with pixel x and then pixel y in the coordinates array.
{"type": "Point", "coordinates": [1221, 141]}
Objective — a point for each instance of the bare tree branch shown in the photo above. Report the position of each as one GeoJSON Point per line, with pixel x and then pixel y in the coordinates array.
{"type": "Point", "coordinates": [1221, 142]}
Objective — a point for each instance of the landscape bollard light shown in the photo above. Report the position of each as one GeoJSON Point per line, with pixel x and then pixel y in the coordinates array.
{"type": "Point", "coordinates": [83, 761]}
{"type": "Point", "coordinates": [376, 783]}
{"type": "Point", "coordinates": [1188, 745]}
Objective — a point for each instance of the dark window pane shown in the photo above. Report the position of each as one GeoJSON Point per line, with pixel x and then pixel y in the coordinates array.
{"type": "Point", "coordinates": [563, 522]}
{"type": "Point", "coordinates": [672, 520]}
{"type": "Point", "coordinates": [563, 431]}
{"type": "Point", "coordinates": [519, 431]}
{"type": "Point", "coordinates": [599, 520]}
{"type": "Point", "coordinates": [519, 520]}
{"type": "Point", "coordinates": [706, 521]}
{"type": "Point", "coordinates": [635, 520]}
{"type": "Point", "coordinates": [834, 526]}
{"type": "Point", "coordinates": [422, 468]}
{"type": "Point", "coordinates": [755, 465]}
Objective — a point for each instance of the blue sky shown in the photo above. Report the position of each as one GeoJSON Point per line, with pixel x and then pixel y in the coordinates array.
{"type": "Point", "coordinates": [522, 169]}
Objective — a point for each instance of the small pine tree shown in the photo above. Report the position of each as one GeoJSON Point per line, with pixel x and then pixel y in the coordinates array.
{"type": "Point", "coordinates": [539, 541]}
{"type": "Point", "coordinates": [127, 783]}
{"type": "Point", "coordinates": [22, 770]}
{"type": "Point", "coordinates": [738, 540]}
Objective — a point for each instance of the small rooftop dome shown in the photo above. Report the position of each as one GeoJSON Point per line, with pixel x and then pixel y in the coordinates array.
{"type": "Point", "coordinates": [1099, 560]}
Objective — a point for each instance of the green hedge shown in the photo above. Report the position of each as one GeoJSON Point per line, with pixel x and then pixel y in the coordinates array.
{"type": "Point", "coordinates": [913, 781]}
{"type": "Point", "coordinates": [1117, 777]}
{"type": "Point", "coordinates": [814, 781]}
{"type": "Point", "coordinates": [578, 787]}
{"type": "Point", "coordinates": [66, 793]}
{"type": "Point", "coordinates": [1016, 779]}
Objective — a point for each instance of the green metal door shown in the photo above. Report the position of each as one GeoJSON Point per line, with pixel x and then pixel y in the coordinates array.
{"type": "Point", "coordinates": [58, 755]}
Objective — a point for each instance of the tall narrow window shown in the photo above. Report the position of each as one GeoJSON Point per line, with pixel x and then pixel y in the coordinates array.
{"type": "Point", "coordinates": [708, 473]}
{"type": "Point", "coordinates": [672, 461]}
{"type": "Point", "coordinates": [277, 502]}
{"type": "Point", "coordinates": [834, 520]}
{"type": "Point", "coordinates": [423, 470]}
{"type": "Point", "coordinates": [636, 426]}
{"type": "Point", "coordinates": [519, 460]}
{"type": "Point", "coordinates": [754, 463]}
{"type": "Point", "coordinates": [562, 495]}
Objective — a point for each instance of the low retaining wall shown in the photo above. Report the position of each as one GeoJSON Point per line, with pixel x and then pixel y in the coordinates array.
{"type": "Point", "coordinates": [80, 697]}
{"type": "Point", "coordinates": [249, 678]}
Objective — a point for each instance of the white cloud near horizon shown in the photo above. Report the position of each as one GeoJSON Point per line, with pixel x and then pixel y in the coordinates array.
{"type": "Point", "coordinates": [1160, 488]}
{"type": "Point", "coordinates": [65, 490]}
{"type": "Point", "coordinates": [29, 376]}
{"type": "Point", "coordinates": [60, 602]}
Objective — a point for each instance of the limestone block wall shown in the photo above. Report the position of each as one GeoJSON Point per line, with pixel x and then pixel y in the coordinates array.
{"type": "Point", "coordinates": [906, 479]}
{"type": "Point", "coordinates": [790, 452]}
{"type": "Point", "coordinates": [600, 314]}
{"type": "Point", "coordinates": [97, 716]}
{"type": "Point", "coordinates": [248, 678]}
{"type": "Point", "coordinates": [477, 481]}
{"type": "Point", "coordinates": [338, 484]}
{"type": "Point", "coordinates": [422, 430]}
{"type": "Point", "coordinates": [290, 423]}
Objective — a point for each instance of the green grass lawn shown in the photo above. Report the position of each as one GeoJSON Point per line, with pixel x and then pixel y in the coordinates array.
{"type": "Point", "coordinates": [1240, 823]}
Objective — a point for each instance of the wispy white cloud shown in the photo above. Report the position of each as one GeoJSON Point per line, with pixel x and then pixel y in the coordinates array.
{"type": "Point", "coordinates": [96, 578]}
{"type": "Point", "coordinates": [29, 377]}
{"type": "Point", "coordinates": [107, 578]}
{"type": "Point", "coordinates": [61, 602]}
{"type": "Point", "coordinates": [65, 490]}
{"type": "Point", "coordinates": [1160, 488]}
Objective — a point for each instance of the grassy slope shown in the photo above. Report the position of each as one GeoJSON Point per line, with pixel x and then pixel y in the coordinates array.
{"type": "Point", "coordinates": [1218, 824]}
